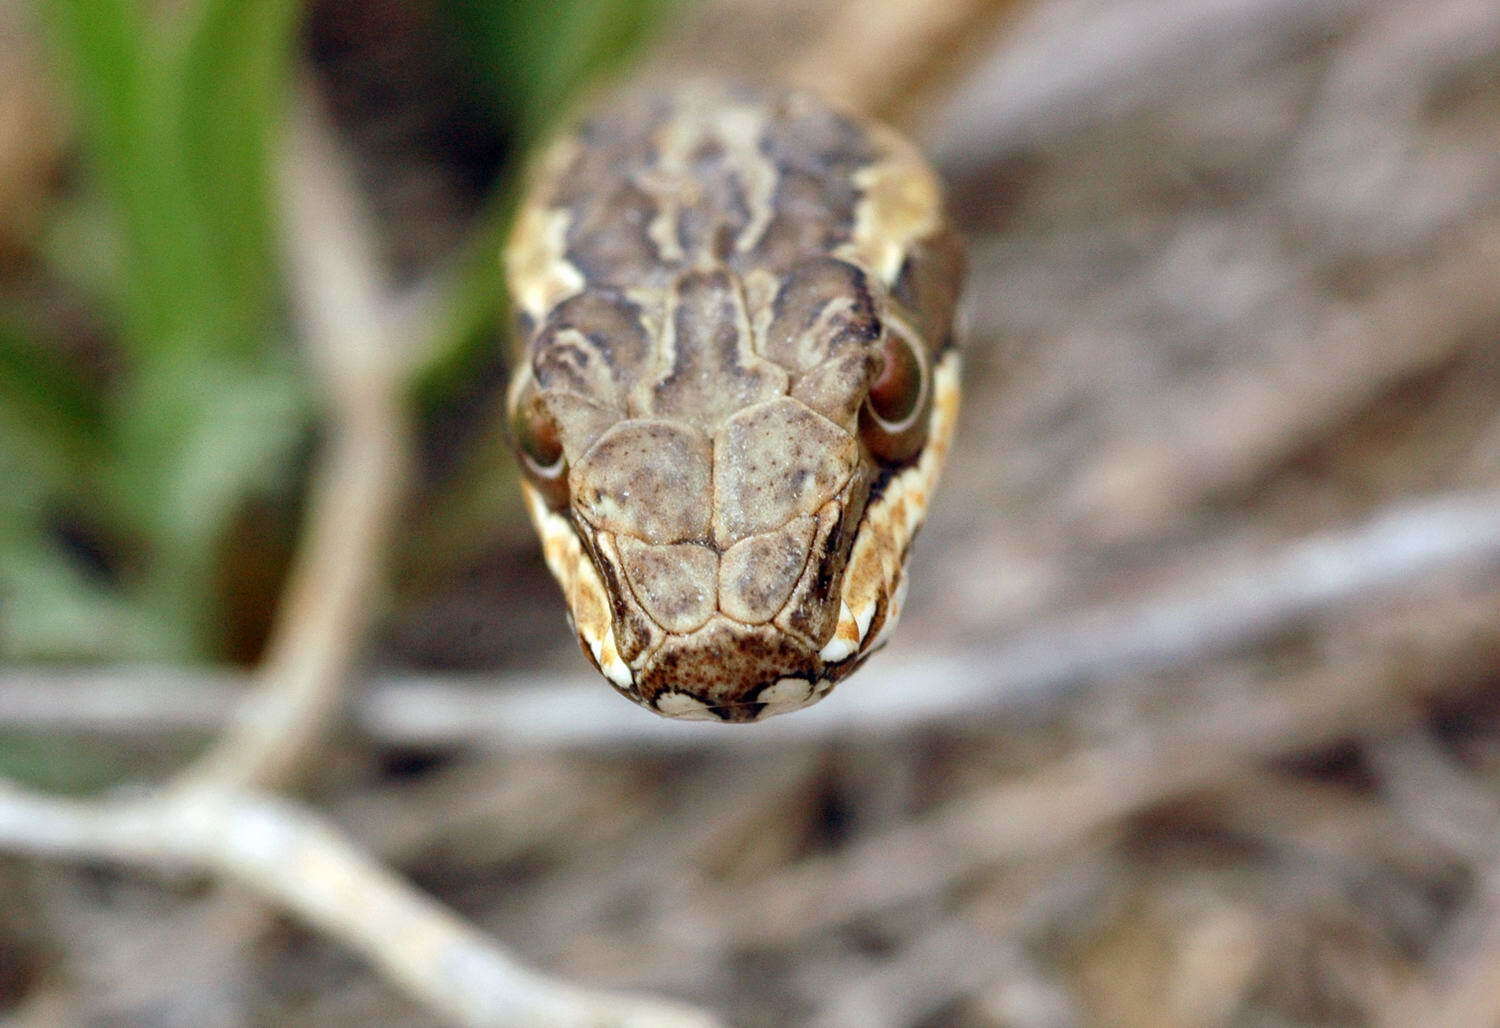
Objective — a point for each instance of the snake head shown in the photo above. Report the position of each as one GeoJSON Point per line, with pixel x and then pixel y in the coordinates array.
{"type": "Point", "coordinates": [730, 426]}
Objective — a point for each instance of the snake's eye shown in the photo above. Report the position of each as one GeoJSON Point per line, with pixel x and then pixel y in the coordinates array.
{"type": "Point", "coordinates": [539, 443]}
{"type": "Point", "coordinates": [897, 388]}
{"type": "Point", "coordinates": [891, 422]}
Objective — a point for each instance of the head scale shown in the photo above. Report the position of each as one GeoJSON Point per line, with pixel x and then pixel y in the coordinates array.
{"type": "Point", "coordinates": [729, 448]}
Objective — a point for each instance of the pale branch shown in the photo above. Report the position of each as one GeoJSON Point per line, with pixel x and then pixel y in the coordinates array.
{"type": "Point", "coordinates": [1414, 324]}
{"type": "Point", "coordinates": [1396, 554]}
{"type": "Point", "coordinates": [877, 55]}
{"type": "Point", "coordinates": [284, 853]}
{"type": "Point", "coordinates": [349, 332]}
{"type": "Point", "coordinates": [1106, 66]}
{"type": "Point", "coordinates": [1058, 807]}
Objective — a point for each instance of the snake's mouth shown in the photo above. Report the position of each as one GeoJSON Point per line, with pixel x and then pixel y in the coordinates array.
{"type": "Point", "coordinates": [780, 697]}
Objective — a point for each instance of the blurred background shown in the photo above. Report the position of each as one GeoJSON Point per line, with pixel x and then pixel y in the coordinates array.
{"type": "Point", "coordinates": [1194, 714]}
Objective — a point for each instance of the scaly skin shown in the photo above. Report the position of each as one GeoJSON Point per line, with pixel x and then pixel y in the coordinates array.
{"type": "Point", "coordinates": [712, 284]}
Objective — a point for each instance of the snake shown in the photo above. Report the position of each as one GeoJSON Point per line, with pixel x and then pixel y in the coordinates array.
{"type": "Point", "coordinates": [735, 386]}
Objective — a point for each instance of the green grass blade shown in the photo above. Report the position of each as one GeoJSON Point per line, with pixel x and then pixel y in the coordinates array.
{"type": "Point", "coordinates": [46, 411]}
{"type": "Point", "coordinates": [232, 79]}
{"type": "Point", "coordinates": [179, 111]}
{"type": "Point", "coordinates": [124, 96]}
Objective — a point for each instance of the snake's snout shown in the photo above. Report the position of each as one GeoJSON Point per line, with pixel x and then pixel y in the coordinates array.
{"type": "Point", "coordinates": [729, 671]}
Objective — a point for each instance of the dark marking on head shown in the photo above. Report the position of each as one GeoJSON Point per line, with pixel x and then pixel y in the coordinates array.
{"type": "Point", "coordinates": [609, 239]}
{"type": "Point", "coordinates": [822, 310]}
{"type": "Point", "coordinates": [717, 210]}
{"type": "Point", "coordinates": [633, 631]}
{"type": "Point", "coordinates": [714, 370]}
{"type": "Point", "coordinates": [612, 325]}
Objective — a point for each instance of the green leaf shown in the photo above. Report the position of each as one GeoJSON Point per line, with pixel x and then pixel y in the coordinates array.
{"type": "Point", "coordinates": [178, 126]}
{"type": "Point", "coordinates": [46, 412]}
{"type": "Point", "coordinates": [197, 440]}
{"type": "Point", "coordinates": [51, 607]}
{"type": "Point", "coordinates": [126, 98]}
{"type": "Point", "coordinates": [180, 109]}
{"type": "Point", "coordinates": [232, 81]}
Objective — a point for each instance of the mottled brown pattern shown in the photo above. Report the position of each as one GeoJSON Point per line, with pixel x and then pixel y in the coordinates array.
{"type": "Point", "coordinates": [709, 368]}
{"type": "Point", "coordinates": [774, 462]}
{"type": "Point", "coordinates": [747, 660]}
{"type": "Point", "coordinates": [757, 573]}
{"type": "Point", "coordinates": [816, 152]}
{"type": "Point", "coordinates": [594, 344]}
{"type": "Point", "coordinates": [677, 585]}
{"type": "Point", "coordinates": [711, 220]}
{"type": "Point", "coordinates": [812, 610]}
{"type": "Point", "coordinates": [649, 479]}
{"type": "Point", "coordinates": [619, 181]}
{"type": "Point", "coordinates": [823, 310]}
{"type": "Point", "coordinates": [704, 276]}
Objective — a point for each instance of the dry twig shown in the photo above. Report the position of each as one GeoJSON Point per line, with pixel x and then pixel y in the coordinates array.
{"type": "Point", "coordinates": [876, 55]}
{"type": "Point", "coordinates": [285, 854]}
{"type": "Point", "coordinates": [1252, 425]}
{"type": "Point", "coordinates": [1235, 606]}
